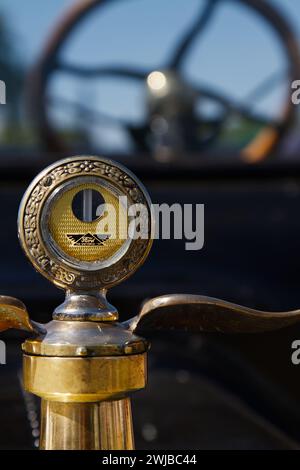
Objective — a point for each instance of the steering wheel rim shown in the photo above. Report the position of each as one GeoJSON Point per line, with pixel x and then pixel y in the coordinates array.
{"type": "Point", "coordinates": [260, 146]}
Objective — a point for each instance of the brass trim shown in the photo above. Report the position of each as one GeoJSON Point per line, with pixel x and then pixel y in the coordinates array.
{"type": "Point", "coordinates": [54, 268]}
{"type": "Point", "coordinates": [105, 425]}
{"type": "Point", "coordinates": [197, 313]}
{"type": "Point", "coordinates": [13, 314]}
{"type": "Point", "coordinates": [82, 380]}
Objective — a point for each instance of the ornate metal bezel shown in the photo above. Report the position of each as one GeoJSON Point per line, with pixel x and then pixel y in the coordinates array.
{"type": "Point", "coordinates": [54, 268]}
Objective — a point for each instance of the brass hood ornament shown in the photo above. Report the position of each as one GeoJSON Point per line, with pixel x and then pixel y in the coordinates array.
{"type": "Point", "coordinates": [77, 227]}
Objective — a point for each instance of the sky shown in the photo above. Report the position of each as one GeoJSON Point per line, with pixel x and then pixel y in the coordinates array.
{"type": "Point", "coordinates": [234, 55]}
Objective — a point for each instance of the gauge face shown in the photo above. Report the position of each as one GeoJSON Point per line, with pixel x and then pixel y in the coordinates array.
{"type": "Point", "coordinates": [86, 223]}
{"type": "Point", "coordinates": [74, 223]}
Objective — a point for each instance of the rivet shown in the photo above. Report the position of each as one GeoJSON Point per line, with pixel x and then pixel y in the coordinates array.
{"type": "Point", "coordinates": [81, 351]}
{"type": "Point", "coordinates": [128, 349]}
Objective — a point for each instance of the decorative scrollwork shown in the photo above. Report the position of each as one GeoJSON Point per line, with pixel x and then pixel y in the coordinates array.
{"type": "Point", "coordinates": [32, 241]}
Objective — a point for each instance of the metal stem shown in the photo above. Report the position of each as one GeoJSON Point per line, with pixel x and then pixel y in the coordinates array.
{"type": "Point", "coordinates": [105, 425]}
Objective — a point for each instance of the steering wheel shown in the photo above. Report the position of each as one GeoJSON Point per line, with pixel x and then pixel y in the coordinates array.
{"type": "Point", "coordinates": [172, 125]}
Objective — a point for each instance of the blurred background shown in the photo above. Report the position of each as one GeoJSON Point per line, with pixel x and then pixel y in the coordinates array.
{"type": "Point", "coordinates": [194, 96]}
{"type": "Point", "coordinates": [93, 65]}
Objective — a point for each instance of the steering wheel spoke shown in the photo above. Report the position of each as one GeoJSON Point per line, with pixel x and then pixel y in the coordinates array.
{"type": "Point", "coordinates": [101, 71]}
{"type": "Point", "coordinates": [197, 29]}
{"type": "Point", "coordinates": [256, 117]}
{"type": "Point", "coordinates": [85, 113]}
{"type": "Point", "coordinates": [233, 107]}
